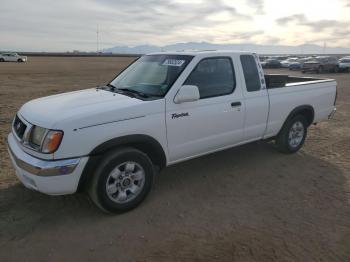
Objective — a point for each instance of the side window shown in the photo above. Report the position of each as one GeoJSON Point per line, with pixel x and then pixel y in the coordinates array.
{"type": "Point", "coordinates": [213, 77]}
{"type": "Point", "coordinates": [251, 73]}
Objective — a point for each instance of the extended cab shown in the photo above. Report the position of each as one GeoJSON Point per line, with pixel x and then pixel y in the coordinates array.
{"type": "Point", "coordinates": [163, 109]}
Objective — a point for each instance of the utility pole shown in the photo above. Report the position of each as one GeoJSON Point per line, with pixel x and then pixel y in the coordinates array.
{"type": "Point", "coordinates": [97, 40]}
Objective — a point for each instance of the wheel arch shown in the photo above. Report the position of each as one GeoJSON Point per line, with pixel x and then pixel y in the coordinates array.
{"type": "Point", "coordinates": [144, 143]}
{"type": "Point", "coordinates": [305, 110]}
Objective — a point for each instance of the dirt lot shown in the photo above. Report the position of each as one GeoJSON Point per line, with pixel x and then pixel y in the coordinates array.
{"type": "Point", "coordinates": [245, 204]}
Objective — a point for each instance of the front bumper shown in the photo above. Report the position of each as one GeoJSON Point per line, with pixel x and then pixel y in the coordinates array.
{"type": "Point", "coordinates": [52, 177]}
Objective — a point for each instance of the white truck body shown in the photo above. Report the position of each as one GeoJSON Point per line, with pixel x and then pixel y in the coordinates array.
{"type": "Point", "coordinates": [93, 117]}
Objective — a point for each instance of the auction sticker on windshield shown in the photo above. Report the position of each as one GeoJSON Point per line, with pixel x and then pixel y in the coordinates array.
{"type": "Point", "coordinates": [173, 62]}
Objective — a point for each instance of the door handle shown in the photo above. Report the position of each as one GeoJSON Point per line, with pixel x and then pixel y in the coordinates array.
{"type": "Point", "coordinates": [236, 104]}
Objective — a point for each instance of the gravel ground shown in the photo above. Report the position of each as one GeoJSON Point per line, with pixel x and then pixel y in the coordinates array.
{"type": "Point", "coordinates": [249, 203]}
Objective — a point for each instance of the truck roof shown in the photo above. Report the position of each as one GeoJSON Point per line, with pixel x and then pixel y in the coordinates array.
{"type": "Point", "coordinates": [202, 52]}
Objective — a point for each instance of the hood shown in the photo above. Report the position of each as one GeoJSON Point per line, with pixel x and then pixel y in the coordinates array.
{"type": "Point", "coordinates": [78, 105]}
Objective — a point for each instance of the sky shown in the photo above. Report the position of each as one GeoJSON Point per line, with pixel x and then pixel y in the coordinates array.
{"type": "Point", "coordinates": [66, 25]}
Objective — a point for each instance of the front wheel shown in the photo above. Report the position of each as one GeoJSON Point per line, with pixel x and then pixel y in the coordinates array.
{"type": "Point", "coordinates": [292, 136]}
{"type": "Point", "coordinates": [122, 180]}
{"type": "Point", "coordinates": [2, 60]}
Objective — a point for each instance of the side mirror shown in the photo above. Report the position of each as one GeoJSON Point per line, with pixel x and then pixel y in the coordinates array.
{"type": "Point", "coordinates": [187, 93]}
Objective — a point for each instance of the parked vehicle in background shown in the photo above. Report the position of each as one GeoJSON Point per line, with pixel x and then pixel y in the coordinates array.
{"type": "Point", "coordinates": [271, 63]}
{"type": "Point", "coordinates": [344, 64]}
{"type": "Point", "coordinates": [286, 63]}
{"type": "Point", "coordinates": [12, 57]}
{"type": "Point", "coordinates": [321, 64]}
{"type": "Point", "coordinates": [295, 66]}
{"type": "Point", "coordinates": [280, 58]}
{"type": "Point", "coordinates": [263, 58]}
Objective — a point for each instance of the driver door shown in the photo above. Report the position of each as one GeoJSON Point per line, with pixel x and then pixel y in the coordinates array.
{"type": "Point", "coordinates": [213, 122]}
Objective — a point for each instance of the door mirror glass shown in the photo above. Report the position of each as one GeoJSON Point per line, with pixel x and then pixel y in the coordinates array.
{"type": "Point", "coordinates": [187, 93]}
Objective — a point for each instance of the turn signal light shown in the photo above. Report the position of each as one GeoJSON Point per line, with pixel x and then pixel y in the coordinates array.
{"type": "Point", "coordinates": [52, 141]}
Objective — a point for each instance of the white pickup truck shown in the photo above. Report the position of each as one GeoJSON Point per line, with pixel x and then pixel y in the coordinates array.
{"type": "Point", "coordinates": [162, 109]}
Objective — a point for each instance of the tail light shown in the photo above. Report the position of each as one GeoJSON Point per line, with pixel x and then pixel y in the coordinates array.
{"type": "Point", "coordinates": [336, 95]}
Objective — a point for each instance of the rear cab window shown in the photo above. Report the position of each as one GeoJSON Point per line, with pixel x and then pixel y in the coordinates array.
{"type": "Point", "coordinates": [251, 73]}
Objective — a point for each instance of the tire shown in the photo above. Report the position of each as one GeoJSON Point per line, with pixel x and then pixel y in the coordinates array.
{"type": "Point", "coordinates": [336, 69]}
{"type": "Point", "coordinates": [19, 60]}
{"type": "Point", "coordinates": [285, 141]}
{"type": "Point", "coordinates": [111, 172]}
{"type": "Point", "coordinates": [2, 60]}
{"type": "Point", "coordinates": [303, 72]}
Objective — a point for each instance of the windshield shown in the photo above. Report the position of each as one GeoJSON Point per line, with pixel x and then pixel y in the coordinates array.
{"type": "Point", "coordinates": [152, 75]}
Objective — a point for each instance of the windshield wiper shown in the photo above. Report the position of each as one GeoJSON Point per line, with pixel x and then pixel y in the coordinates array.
{"type": "Point", "coordinates": [104, 87]}
{"type": "Point", "coordinates": [123, 91]}
{"type": "Point", "coordinates": [111, 86]}
{"type": "Point", "coordinates": [126, 91]}
{"type": "Point", "coordinates": [135, 92]}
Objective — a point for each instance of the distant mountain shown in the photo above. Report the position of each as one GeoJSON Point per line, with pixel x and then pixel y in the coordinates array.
{"type": "Point", "coordinates": [261, 49]}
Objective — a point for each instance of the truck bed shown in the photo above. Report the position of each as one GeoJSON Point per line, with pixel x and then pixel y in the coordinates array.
{"type": "Point", "coordinates": [289, 92]}
{"type": "Point", "coordinates": [279, 80]}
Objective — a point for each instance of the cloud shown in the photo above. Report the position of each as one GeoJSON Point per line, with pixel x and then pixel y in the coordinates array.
{"type": "Point", "coordinates": [66, 24]}
{"type": "Point", "coordinates": [322, 25]}
{"type": "Point", "coordinates": [334, 32]}
{"type": "Point", "coordinates": [271, 40]}
{"type": "Point", "coordinates": [258, 5]}
{"type": "Point", "coordinates": [126, 22]}
{"type": "Point", "coordinates": [316, 26]}
{"type": "Point", "coordinates": [247, 36]}
{"type": "Point", "coordinates": [297, 18]}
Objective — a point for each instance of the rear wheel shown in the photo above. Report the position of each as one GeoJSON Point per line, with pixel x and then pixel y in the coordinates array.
{"type": "Point", "coordinates": [2, 60]}
{"type": "Point", "coordinates": [122, 180]}
{"type": "Point", "coordinates": [292, 136]}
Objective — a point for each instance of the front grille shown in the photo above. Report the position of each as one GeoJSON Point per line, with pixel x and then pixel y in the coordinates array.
{"type": "Point", "coordinates": [19, 127]}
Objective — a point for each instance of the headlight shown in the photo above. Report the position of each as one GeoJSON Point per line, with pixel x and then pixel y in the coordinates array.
{"type": "Point", "coordinates": [45, 140]}
{"type": "Point", "coordinates": [37, 135]}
